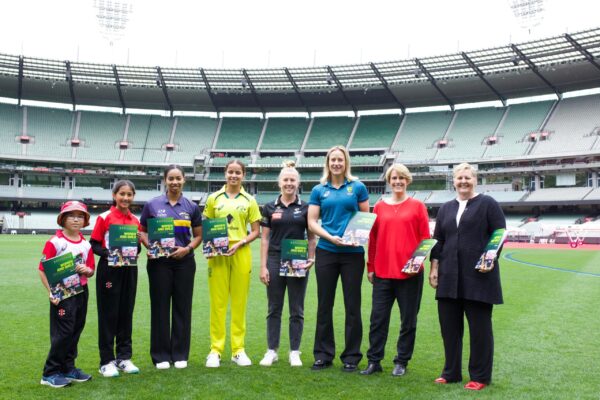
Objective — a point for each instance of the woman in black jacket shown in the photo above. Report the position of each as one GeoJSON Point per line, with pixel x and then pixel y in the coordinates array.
{"type": "Point", "coordinates": [463, 228]}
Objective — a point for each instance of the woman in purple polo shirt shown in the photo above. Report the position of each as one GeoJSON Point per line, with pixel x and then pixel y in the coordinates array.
{"type": "Point", "coordinates": [335, 200]}
{"type": "Point", "coordinates": [171, 278]}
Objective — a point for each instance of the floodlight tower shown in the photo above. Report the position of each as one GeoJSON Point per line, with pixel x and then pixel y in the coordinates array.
{"type": "Point", "coordinates": [112, 17]}
{"type": "Point", "coordinates": [529, 12]}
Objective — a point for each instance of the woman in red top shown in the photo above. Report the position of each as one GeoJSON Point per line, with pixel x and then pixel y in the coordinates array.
{"type": "Point", "coordinates": [402, 222]}
{"type": "Point", "coordinates": [116, 287]}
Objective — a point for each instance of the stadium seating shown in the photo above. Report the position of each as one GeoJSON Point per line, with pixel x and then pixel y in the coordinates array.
{"type": "Point", "coordinates": [43, 192]}
{"type": "Point", "coordinates": [273, 161]}
{"type": "Point", "coordinates": [312, 175]}
{"type": "Point", "coordinates": [507, 196]}
{"type": "Point", "coordinates": [558, 194]}
{"type": "Point", "coordinates": [419, 133]}
{"type": "Point", "coordinates": [95, 193]}
{"type": "Point", "coordinates": [284, 133]}
{"type": "Point", "coordinates": [139, 125]}
{"type": "Point", "coordinates": [375, 131]}
{"type": "Point", "coordinates": [52, 130]}
{"type": "Point", "coordinates": [267, 176]}
{"type": "Point", "coordinates": [440, 196]}
{"type": "Point", "coordinates": [193, 136]}
{"type": "Point", "coordinates": [571, 125]}
{"type": "Point", "coordinates": [11, 121]}
{"type": "Point", "coordinates": [327, 132]}
{"type": "Point", "coordinates": [310, 160]}
{"type": "Point", "coordinates": [159, 134]}
{"type": "Point", "coordinates": [520, 120]}
{"type": "Point", "coordinates": [422, 195]}
{"type": "Point", "coordinates": [221, 161]}
{"type": "Point", "coordinates": [368, 175]}
{"type": "Point", "coordinates": [593, 195]}
{"type": "Point", "coordinates": [100, 133]}
{"type": "Point", "coordinates": [374, 198]}
{"type": "Point", "coordinates": [467, 134]}
{"type": "Point", "coordinates": [366, 160]}
{"type": "Point", "coordinates": [239, 133]}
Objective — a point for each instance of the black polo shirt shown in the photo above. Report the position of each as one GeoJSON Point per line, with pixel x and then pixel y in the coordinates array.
{"type": "Point", "coordinates": [289, 222]}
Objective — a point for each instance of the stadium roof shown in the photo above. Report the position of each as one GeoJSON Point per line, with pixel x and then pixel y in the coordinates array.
{"type": "Point", "coordinates": [549, 66]}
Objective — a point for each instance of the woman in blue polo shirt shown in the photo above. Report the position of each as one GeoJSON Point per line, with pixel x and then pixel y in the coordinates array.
{"type": "Point", "coordinates": [171, 278]}
{"type": "Point", "coordinates": [335, 200]}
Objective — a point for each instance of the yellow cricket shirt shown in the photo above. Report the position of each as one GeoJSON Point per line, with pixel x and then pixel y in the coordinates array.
{"type": "Point", "coordinates": [239, 211]}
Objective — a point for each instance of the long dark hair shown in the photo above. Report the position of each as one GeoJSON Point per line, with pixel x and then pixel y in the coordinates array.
{"type": "Point", "coordinates": [119, 185]}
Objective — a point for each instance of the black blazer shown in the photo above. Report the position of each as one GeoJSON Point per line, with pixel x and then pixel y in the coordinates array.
{"type": "Point", "coordinates": [459, 248]}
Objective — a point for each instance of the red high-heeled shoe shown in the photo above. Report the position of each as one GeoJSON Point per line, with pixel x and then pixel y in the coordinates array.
{"type": "Point", "coordinates": [472, 385]}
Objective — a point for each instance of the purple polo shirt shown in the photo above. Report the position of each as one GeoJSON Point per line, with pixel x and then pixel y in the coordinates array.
{"type": "Point", "coordinates": [185, 213]}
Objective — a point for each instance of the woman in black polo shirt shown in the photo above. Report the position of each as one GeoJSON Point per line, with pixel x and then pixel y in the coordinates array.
{"type": "Point", "coordinates": [284, 218]}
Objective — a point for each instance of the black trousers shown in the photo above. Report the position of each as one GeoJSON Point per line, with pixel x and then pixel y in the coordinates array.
{"type": "Point", "coordinates": [479, 316]}
{"type": "Point", "coordinates": [296, 288]}
{"type": "Point", "coordinates": [171, 290]}
{"type": "Point", "coordinates": [329, 267]}
{"type": "Point", "coordinates": [115, 292]}
{"type": "Point", "coordinates": [407, 292]}
{"type": "Point", "coordinates": [67, 321]}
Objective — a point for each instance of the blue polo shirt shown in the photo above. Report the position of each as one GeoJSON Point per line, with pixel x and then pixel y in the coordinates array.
{"type": "Point", "coordinates": [337, 207]}
{"type": "Point", "coordinates": [185, 214]}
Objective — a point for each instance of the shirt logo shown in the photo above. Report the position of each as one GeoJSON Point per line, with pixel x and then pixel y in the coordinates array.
{"type": "Point", "coordinates": [326, 194]}
{"type": "Point", "coordinates": [276, 215]}
{"type": "Point", "coordinates": [161, 213]}
{"type": "Point", "coordinates": [349, 190]}
{"type": "Point", "coordinates": [61, 312]}
{"type": "Point", "coordinates": [184, 215]}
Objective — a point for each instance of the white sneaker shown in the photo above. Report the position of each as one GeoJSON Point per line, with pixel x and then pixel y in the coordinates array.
{"type": "Point", "coordinates": [180, 364]}
{"type": "Point", "coordinates": [295, 360]}
{"type": "Point", "coordinates": [213, 360]}
{"type": "Point", "coordinates": [241, 359]}
{"type": "Point", "coordinates": [109, 370]}
{"type": "Point", "coordinates": [269, 358]}
{"type": "Point", "coordinates": [163, 365]}
{"type": "Point", "coordinates": [128, 367]}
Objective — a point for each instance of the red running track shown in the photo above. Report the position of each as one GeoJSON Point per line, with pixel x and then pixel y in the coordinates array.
{"type": "Point", "coordinates": [514, 245]}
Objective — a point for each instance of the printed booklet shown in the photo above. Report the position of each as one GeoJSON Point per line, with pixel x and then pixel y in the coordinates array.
{"type": "Point", "coordinates": [294, 255]}
{"type": "Point", "coordinates": [63, 280]}
{"type": "Point", "coordinates": [358, 229]}
{"type": "Point", "coordinates": [490, 253]}
{"type": "Point", "coordinates": [215, 241]}
{"type": "Point", "coordinates": [161, 237]}
{"type": "Point", "coordinates": [417, 260]}
{"type": "Point", "coordinates": [122, 245]}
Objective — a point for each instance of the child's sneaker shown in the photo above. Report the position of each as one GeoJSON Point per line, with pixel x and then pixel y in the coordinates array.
{"type": "Point", "coordinates": [295, 360]}
{"type": "Point", "coordinates": [55, 381]}
{"type": "Point", "coordinates": [241, 359]}
{"type": "Point", "coordinates": [77, 375]}
{"type": "Point", "coordinates": [213, 360]}
{"type": "Point", "coordinates": [269, 358]}
{"type": "Point", "coordinates": [127, 366]}
{"type": "Point", "coordinates": [109, 370]}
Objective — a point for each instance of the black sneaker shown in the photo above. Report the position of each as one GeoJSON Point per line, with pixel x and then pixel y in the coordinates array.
{"type": "Point", "coordinates": [321, 364]}
{"type": "Point", "coordinates": [77, 375]}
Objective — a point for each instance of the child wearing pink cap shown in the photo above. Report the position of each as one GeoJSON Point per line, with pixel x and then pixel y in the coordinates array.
{"type": "Point", "coordinates": [67, 317]}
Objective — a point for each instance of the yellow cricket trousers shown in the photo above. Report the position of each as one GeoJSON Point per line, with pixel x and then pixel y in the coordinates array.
{"type": "Point", "coordinates": [229, 277]}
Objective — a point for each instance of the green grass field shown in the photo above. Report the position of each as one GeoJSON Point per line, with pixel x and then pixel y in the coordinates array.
{"type": "Point", "coordinates": [547, 340]}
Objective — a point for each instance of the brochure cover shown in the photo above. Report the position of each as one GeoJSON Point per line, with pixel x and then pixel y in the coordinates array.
{"type": "Point", "coordinates": [417, 260]}
{"type": "Point", "coordinates": [490, 253]}
{"type": "Point", "coordinates": [358, 229]}
{"type": "Point", "coordinates": [122, 245]}
{"type": "Point", "coordinates": [161, 237]}
{"type": "Point", "coordinates": [63, 280]}
{"type": "Point", "coordinates": [215, 241]}
{"type": "Point", "coordinates": [294, 254]}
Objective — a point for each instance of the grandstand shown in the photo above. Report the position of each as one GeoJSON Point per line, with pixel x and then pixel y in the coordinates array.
{"type": "Point", "coordinates": [52, 154]}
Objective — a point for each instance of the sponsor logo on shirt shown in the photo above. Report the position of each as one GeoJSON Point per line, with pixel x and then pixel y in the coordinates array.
{"type": "Point", "coordinates": [349, 190]}
{"type": "Point", "coordinates": [184, 215]}
{"type": "Point", "coordinates": [297, 212]}
{"type": "Point", "coordinates": [161, 213]}
{"type": "Point", "coordinates": [326, 194]}
{"type": "Point", "coordinates": [276, 215]}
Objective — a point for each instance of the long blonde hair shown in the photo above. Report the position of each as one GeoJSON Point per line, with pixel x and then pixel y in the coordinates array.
{"type": "Point", "coordinates": [347, 171]}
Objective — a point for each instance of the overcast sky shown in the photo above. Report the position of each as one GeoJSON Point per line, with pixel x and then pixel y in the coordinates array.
{"type": "Point", "coordinates": [275, 33]}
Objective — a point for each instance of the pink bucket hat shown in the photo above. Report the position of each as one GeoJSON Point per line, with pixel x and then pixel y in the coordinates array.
{"type": "Point", "coordinates": [73, 206]}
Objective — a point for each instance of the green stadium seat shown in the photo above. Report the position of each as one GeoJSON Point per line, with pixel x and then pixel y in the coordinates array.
{"type": "Point", "coordinates": [327, 132]}
{"type": "Point", "coordinates": [284, 134]}
{"type": "Point", "coordinates": [376, 131]}
{"type": "Point", "coordinates": [239, 134]}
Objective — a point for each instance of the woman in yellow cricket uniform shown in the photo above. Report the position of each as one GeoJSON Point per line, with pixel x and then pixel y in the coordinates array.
{"type": "Point", "coordinates": [229, 275]}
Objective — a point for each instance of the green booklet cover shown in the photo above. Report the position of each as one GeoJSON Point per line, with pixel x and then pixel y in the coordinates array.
{"type": "Point", "coordinates": [63, 280]}
{"type": "Point", "coordinates": [358, 229]}
{"type": "Point", "coordinates": [122, 245]}
{"type": "Point", "coordinates": [490, 253]}
{"type": "Point", "coordinates": [215, 241]}
{"type": "Point", "coordinates": [416, 261]}
{"type": "Point", "coordinates": [294, 255]}
{"type": "Point", "coordinates": [161, 237]}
